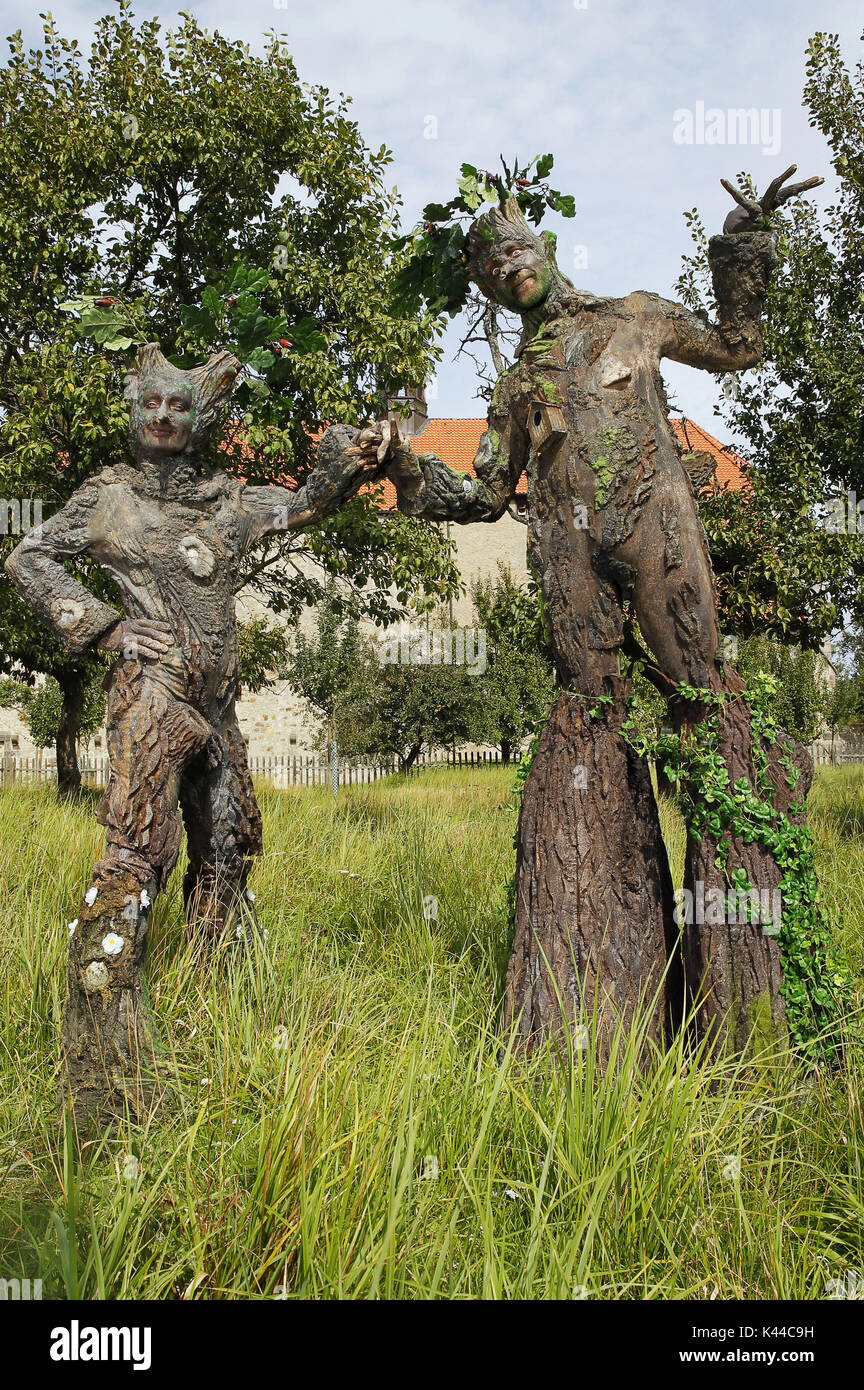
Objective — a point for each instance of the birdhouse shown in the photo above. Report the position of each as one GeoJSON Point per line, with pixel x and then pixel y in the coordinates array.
{"type": "Point", "coordinates": [546, 426]}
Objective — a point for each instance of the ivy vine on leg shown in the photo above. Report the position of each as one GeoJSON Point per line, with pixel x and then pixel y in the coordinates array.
{"type": "Point", "coordinates": [760, 960]}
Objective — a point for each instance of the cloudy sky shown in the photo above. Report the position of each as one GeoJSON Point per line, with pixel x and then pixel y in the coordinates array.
{"type": "Point", "coordinates": [600, 83]}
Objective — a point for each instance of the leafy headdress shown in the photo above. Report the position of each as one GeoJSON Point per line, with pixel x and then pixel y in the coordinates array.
{"type": "Point", "coordinates": [446, 255]}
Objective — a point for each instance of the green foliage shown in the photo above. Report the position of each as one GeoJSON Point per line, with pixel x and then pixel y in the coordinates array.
{"type": "Point", "coordinates": [376, 708]}
{"type": "Point", "coordinates": [418, 708]}
{"type": "Point", "coordinates": [334, 670]}
{"type": "Point", "coordinates": [263, 649]}
{"type": "Point", "coordinates": [847, 702]}
{"type": "Point", "coordinates": [779, 570]}
{"type": "Point", "coordinates": [63, 414]}
{"type": "Point", "coordinates": [799, 697]}
{"type": "Point", "coordinates": [518, 685]}
{"type": "Point", "coordinates": [41, 705]}
{"type": "Point", "coordinates": [844, 704]}
{"type": "Point", "coordinates": [403, 708]}
{"type": "Point", "coordinates": [383, 562]}
{"type": "Point", "coordinates": [816, 988]}
{"type": "Point", "coordinates": [170, 186]}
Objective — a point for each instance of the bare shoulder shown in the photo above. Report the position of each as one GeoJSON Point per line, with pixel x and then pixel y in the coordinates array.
{"type": "Point", "coordinates": [646, 303]}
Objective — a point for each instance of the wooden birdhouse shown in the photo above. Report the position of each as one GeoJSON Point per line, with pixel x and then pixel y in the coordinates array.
{"type": "Point", "coordinates": [546, 426]}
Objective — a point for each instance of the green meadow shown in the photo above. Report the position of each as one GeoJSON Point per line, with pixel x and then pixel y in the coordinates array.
{"type": "Point", "coordinates": [343, 1121]}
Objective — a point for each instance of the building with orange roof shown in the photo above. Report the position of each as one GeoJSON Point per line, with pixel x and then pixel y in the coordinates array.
{"type": "Point", "coordinates": [455, 441]}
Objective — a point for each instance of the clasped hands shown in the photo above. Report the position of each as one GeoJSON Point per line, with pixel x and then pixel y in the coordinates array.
{"type": "Point", "coordinates": [385, 450]}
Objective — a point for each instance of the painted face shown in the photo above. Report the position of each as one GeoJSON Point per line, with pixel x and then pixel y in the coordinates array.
{"type": "Point", "coordinates": [516, 275]}
{"type": "Point", "coordinates": [164, 415]}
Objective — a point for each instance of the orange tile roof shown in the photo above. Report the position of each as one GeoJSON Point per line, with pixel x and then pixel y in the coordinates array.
{"type": "Point", "coordinates": [730, 466]}
{"type": "Point", "coordinates": [456, 441]}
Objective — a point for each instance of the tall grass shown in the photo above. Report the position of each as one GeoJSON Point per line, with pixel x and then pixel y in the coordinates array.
{"type": "Point", "coordinates": [343, 1121]}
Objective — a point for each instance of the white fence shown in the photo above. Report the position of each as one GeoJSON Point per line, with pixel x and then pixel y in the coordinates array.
{"type": "Point", "coordinates": [845, 747]}
{"type": "Point", "coordinates": [15, 767]}
{"type": "Point", "coordinates": [313, 770]}
{"type": "Point", "coordinates": [823, 757]}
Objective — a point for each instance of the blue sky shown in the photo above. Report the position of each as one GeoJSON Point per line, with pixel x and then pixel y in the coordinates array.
{"type": "Point", "coordinates": [597, 82]}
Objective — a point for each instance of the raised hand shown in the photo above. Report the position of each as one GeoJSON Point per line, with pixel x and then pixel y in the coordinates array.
{"type": "Point", "coordinates": [751, 213]}
{"type": "Point", "coordinates": [139, 639]}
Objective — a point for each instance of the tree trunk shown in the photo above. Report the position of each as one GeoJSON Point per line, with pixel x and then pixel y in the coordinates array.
{"type": "Point", "coordinates": [71, 682]}
{"type": "Point", "coordinates": [407, 762]}
{"type": "Point", "coordinates": [506, 751]}
{"type": "Point", "coordinates": [733, 967]}
{"type": "Point", "coordinates": [594, 902]}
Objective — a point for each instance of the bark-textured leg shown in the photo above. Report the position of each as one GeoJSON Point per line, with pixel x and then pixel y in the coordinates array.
{"type": "Point", "coordinates": [108, 1046]}
{"type": "Point", "coordinates": [223, 833]}
{"type": "Point", "coordinates": [594, 924]}
{"type": "Point", "coordinates": [732, 967]}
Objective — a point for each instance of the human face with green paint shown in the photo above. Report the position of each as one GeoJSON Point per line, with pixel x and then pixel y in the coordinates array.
{"type": "Point", "coordinates": [165, 415]}
{"type": "Point", "coordinates": [516, 275]}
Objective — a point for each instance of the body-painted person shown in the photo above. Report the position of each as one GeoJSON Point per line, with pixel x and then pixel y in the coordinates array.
{"type": "Point", "coordinates": [173, 538]}
{"type": "Point", "coordinates": [614, 530]}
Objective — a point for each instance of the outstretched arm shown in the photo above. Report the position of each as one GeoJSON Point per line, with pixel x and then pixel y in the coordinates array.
{"type": "Point", "coordinates": [65, 605]}
{"type": "Point", "coordinates": [347, 458]}
{"type": "Point", "coordinates": [425, 486]}
{"type": "Point", "coordinates": [741, 261]}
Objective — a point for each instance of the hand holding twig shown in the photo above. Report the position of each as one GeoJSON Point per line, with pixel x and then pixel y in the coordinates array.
{"type": "Point", "coordinates": [752, 213]}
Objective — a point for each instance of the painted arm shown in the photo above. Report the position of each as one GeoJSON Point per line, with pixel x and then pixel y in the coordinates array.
{"type": "Point", "coordinates": [425, 486]}
{"type": "Point", "coordinates": [741, 262]}
{"type": "Point", "coordinates": [741, 266]}
{"type": "Point", "coordinates": [69, 609]}
{"type": "Point", "coordinates": [347, 458]}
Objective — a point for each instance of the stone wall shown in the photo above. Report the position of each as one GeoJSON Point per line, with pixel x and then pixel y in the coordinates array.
{"type": "Point", "coordinates": [274, 720]}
